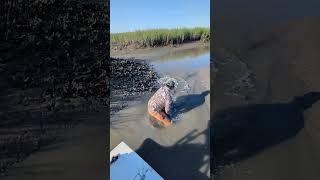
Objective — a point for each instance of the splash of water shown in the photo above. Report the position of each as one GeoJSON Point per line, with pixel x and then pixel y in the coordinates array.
{"type": "Point", "coordinates": [181, 86]}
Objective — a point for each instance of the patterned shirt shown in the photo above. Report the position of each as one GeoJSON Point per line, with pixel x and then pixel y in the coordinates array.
{"type": "Point", "coordinates": [161, 100]}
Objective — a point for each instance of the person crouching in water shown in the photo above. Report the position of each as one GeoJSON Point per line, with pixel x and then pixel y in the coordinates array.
{"type": "Point", "coordinates": [160, 104]}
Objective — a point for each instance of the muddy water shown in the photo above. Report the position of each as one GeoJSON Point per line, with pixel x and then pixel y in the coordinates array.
{"type": "Point", "coordinates": [181, 150]}
{"type": "Point", "coordinates": [183, 63]}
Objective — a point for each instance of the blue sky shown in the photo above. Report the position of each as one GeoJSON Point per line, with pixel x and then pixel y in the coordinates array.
{"type": "Point", "coordinates": [130, 15]}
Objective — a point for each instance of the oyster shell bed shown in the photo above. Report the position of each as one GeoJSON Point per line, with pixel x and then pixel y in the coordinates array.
{"type": "Point", "coordinates": [132, 77]}
{"type": "Point", "coordinates": [53, 62]}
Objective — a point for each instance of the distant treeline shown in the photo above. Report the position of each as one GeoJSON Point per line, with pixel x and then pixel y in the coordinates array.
{"type": "Point", "coordinates": [159, 37]}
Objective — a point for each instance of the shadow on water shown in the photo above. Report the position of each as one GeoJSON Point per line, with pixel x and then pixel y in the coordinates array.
{"type": "Point", "coordinates": [241, 132]}
{"type": "Point", "coordinates": [188, 102]}
{"type": "Point", "coordinates": [181, 160]}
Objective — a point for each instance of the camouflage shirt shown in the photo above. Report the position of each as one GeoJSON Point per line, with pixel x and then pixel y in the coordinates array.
{"type": "Point", "coordinates": [161, 100]}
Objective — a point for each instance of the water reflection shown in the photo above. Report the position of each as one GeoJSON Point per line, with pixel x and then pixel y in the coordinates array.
{"type": "Point", "coordinates": [183, 59]}
{"type": "Point", "coordinates": [184, 53]}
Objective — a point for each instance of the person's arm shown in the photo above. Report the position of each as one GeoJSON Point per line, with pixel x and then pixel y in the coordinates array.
{"type": "Point", "coordinates": [168, 104]}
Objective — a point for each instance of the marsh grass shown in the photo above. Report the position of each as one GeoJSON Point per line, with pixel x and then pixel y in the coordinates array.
{"type": "Point", "coordinates": [159, 37]}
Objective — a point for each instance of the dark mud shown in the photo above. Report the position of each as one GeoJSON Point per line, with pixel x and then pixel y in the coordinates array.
{"type": "Point", "coordinates": [125, 46]}
{"type": "Point", "coordinates": [269, 130]}
{"type": "Point", "coordinates": [53, 64]}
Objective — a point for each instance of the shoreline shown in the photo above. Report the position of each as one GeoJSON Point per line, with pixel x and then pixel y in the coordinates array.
{"type": "Point", "coordinates": [130, 48]}
{"type": "Point", "coordinates": [151, 53]}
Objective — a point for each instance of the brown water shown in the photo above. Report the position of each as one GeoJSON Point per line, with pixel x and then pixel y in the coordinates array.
{"type": "Point", "coordinates": [181, 150]}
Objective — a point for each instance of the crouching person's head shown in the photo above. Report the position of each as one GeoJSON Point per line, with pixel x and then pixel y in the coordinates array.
{"type": "Point", "coordinates": [170, 84]}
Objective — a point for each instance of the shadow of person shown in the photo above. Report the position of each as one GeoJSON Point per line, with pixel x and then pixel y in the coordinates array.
{"type": "Point", "coordinates": [183, 160]}
{"type": "Point", "coordinates": [241, 132]}
{"type": "Point", "coordinates": [188, 102]}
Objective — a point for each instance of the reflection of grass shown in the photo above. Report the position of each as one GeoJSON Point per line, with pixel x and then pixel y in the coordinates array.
{"type": "Point", "coordinates": [159, 37]}
{"type": "Point", "coordinates": [193, 53]}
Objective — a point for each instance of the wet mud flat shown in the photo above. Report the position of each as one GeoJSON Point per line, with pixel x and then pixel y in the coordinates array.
{"type": "Point", "coordinates": [184, 145]}
{"type": "Point", "coordinates": [48, 78]}
{"type": "Point", "coordinates": [269, 128]}
{"type": "Point", "coordinates": [37, 113]}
